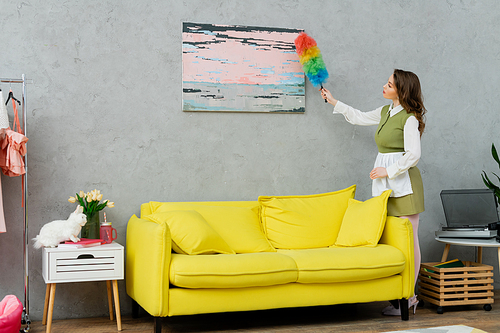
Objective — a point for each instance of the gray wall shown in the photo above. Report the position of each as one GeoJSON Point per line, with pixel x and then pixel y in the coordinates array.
{"type": "Point", "coordinates": [105, 112]}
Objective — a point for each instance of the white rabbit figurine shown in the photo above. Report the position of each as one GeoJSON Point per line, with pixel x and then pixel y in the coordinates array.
{"type": "Point", "coordinates": [58, 231]}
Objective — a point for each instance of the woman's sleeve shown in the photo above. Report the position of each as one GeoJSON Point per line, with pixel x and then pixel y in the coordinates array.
{"type": "Point", "coordinates": [412, 149]}
{"type": "Point", "coordinates": [357, 117]}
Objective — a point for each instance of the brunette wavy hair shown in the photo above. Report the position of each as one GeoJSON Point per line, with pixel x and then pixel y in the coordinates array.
{"type": "Point", "coordinates": [410, 95]}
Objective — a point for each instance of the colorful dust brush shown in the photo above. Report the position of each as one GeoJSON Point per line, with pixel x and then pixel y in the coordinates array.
{"type": "Point", "coordinates": [311, 60]}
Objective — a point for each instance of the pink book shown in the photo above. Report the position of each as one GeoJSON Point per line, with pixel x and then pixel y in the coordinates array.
{"type": "Point", "coordinates": [84, 242]}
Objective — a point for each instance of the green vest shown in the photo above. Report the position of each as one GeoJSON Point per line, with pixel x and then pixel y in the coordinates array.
{"type": "Point", "coordinates": [390, 132]}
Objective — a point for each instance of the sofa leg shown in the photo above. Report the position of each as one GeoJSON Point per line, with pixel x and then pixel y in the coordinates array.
{"type": "Point", "coordinates": [157, 328]}
{"type": "Point", "coordinates": [405, 312]}
{"type": "Point", "coordinates": [135, 309]}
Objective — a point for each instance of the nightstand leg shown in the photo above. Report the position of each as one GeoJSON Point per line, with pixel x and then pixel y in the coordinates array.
{"type": "Point", "coordinates": [51, 306]}
{"type": "Point", "coordinates": [110, 300]}
{"type": "Point", "coordinates": [445, 253]}
{"type": "Point", "coordinates": [117, 305]}
{"type": "Point", "coordinates": [480, 254]}
{"type": "Point", "coordinates": [46, 305]}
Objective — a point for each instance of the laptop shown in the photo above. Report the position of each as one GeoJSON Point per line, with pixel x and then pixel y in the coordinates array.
{"type": "Point", "coordinates": [468, 213]}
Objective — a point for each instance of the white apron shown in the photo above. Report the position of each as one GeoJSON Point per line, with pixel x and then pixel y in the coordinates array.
{"type": "Point", "coordinates": [400, 186]}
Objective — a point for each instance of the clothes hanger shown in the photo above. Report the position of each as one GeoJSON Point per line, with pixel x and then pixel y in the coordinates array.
{"type": "Point", "coordinates": [11, 95]}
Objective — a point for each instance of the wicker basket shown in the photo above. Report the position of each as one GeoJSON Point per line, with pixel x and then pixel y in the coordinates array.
{"type": "Point", "coordinates": [472, 284]}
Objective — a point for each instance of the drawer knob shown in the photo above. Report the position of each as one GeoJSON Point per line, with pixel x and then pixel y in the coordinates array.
{"type": "Point", "coordinates": [85, 256]}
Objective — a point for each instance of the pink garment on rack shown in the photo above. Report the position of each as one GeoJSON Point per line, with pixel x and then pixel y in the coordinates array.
{"type": "Point", "coordinates": [2, 217]}
{"type": "Point", "coordinates": [14, 147]}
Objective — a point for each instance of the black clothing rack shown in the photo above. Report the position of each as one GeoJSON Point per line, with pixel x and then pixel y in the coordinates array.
{"type": "Point", "coordinates": [25, 318]}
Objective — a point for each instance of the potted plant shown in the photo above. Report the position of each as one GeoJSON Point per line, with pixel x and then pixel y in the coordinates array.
{"type": "Point", "coordinates": [91, 204]}
{"type": "Point", "coordinates": [486, 180]}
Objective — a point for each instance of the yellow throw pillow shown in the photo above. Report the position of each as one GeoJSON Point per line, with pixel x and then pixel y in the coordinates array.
{"type": "Point", "coordinates": [190, 233]}
{"type": "Point", "coordinates": [364, 222]}
{"type": "Point", "coordinates": [240, 227]}
{"type": "Point", "coordinates": [304, 221]}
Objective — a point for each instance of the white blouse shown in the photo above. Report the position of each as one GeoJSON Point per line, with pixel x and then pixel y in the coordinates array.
{"type": "Point", "coordinates": [396, 164]}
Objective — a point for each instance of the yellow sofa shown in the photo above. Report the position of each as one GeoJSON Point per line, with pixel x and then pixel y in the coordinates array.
{"type": "Point", "coordinates": [185, 258]}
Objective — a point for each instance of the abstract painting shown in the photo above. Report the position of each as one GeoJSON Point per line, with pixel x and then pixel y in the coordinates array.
{"type": "Point", "coordinates": [241, 69]}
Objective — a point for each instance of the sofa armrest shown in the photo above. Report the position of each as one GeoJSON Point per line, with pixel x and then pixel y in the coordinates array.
{"type": "Point", "coordinates": [148, 253]}
{"type": "Point", "coordinates": [399, 233]}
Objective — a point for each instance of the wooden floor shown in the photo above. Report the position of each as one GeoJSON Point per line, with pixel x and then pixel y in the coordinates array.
{"type": "Point", "coordinates": [338, 318]}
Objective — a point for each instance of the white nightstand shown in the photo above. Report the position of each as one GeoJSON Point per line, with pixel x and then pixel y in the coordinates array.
{"type": "Point", "coordinates": [98, 263]}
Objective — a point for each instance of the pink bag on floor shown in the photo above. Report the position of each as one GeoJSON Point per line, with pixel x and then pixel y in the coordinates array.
{"type": "Point", "coordinates": [11, 311]}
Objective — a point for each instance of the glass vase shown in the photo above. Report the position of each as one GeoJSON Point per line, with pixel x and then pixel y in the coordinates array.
{"type": "Point", "coordinates": [91, 229]}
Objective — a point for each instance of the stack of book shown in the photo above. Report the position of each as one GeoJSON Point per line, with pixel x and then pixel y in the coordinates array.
{"type": "Point", "coordinates": [450, 264]}
{"type": "Point", "coordinates": [446, 264]}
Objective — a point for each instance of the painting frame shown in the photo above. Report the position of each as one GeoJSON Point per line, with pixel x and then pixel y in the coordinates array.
{"type": "Point", "coordinates": [235, 68]}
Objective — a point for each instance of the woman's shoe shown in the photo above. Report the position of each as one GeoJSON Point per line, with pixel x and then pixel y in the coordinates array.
{"type": "Point", "coordinates": [388, 308]}
{"type": "Point", "coordinates": [413, 301]}
{"type": "Point", "coordinates": [392, 311]}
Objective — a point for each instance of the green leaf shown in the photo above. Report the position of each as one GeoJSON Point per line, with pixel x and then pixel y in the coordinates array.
{"type": "Point", "coordinates": [102, 206]}
{"type": "Point", "coordinates": [486, 180]}
{"type": "Point", "coordinates": [496, 176]}
{"type": "Point", "coordinates": [491, 186]}
{"type": "Point", "coordinates": [92, 206]}
{"type": "Point", "coordinates": [495, 154]}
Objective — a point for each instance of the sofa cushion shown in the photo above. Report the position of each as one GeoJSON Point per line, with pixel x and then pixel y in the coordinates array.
{"type": "Point", "coordinates": [232, 271]}
{"type": "Point", "coordinates": [346, 264]}
{"type": "Point", "coordinates": [364, 222]}
{"type": "Point", "coordinates": [304, 221]}
{"type": "Point", "coordinates": [239, 227]}
{"type": "Point", "coordinates": [190, 233]}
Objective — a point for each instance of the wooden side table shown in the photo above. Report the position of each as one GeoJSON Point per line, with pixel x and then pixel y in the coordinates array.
{"type": "Point", "coordinates": [479, 243]}
{"type": "Point", "coordinates": [98, 263]}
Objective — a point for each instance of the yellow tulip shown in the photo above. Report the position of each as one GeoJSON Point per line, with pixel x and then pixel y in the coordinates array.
{"type": "Point", "coordinates": [94, 195]}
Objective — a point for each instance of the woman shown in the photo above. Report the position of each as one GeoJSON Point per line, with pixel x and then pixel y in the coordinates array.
{"type": "Point", "coordinates": [400, 126]}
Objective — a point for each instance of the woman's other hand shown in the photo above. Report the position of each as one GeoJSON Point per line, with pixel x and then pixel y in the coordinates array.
{"type": "Point", "coordinates": [327, 95]}
{"type": "Point", "coordinates": [378, 173]}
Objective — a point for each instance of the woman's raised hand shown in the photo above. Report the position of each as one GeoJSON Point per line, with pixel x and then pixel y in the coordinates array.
{"type": "Point", "coordinates": [327, 95]}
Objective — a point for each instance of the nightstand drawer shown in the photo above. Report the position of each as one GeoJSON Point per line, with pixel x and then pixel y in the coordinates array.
{"type": "Point", "coordinates": [89, 264]}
